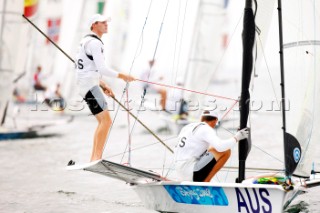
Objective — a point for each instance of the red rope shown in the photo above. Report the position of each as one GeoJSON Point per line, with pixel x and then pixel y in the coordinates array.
{"type": "Point", "coordinates": [189, 90]}
{"type": "Point", "coordinates": [229, 110]}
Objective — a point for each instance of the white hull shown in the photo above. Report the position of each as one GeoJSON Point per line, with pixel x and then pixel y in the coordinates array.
{"type": "Point", "coordinates": [197, 197]}
{"type": "Point", "coordinates": [192, 197]}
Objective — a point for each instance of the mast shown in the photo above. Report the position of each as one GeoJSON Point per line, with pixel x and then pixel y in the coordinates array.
{"type": "Point", "coordinates": [283, 102]}
{"type": "Point", "coordinates": [292, 148]}
{"type": "Point", "coordinates": [248, 37]}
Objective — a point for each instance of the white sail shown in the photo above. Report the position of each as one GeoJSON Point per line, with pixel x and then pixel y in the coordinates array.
{"type": "Point", "coordinates": [208, 57]}
{"type": "Point", "coordinates": [206, 49]}
{"type": "Point", "coordinates": [10, 22]}
{"type": "Point", "coordinates": [301, 54]}
{"type": "Point", "coordinates": [73, 28]}
{"type": "Point", "coordinates": [43, 53]}
{"type": "Point", "coordinates": [263, 20]}
{"type": "Point", "coordinates": [119, 11]}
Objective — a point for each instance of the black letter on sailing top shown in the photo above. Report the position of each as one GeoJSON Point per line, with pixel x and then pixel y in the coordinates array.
{"type": "Point", "coordinates": [80, 65]}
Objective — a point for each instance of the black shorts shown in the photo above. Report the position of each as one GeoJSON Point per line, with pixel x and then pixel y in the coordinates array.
{"type": "Point", "coordinates": [95, 100]}
{"type": "Point", "coordinates": [203, 167]}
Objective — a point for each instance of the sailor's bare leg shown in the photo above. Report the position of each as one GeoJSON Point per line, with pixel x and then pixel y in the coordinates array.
{"type": "Point", "coordinates": [221, 158]}
{"type": "Point", "coordinates": [100, 136]}
{"type": "Point", "coordinates": [163, 94]}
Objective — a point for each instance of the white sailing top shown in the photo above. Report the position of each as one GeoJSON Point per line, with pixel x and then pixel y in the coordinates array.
{"type": "Point", "coordinates": [89, 71]}
{"type": "Point", "coordinates": [194, 140]}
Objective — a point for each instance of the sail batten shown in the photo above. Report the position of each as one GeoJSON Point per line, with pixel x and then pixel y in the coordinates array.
{"type": "Point", "coordinates": [302, 43]}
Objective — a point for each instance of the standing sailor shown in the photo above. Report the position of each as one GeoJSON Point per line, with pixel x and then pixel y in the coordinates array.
{"type": "Point", "coordinates": [90, 66]}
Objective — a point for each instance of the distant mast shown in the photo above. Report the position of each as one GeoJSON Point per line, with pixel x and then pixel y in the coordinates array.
{"type": "Point", "coordinates": [248, 38]}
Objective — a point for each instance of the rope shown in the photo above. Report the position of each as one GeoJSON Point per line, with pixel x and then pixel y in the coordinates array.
{"type": "Point", "coordinates": [129, 135]}
{"type": "Point", "coordinates": [137, 52]}
{"type": "Point", "coordinates": [233, 105]}
{"type": "Point", "coordinates": [269, 73]}
{"type": "Point", "coordinates": [140, 42]}
{"type": "Point", "coordinates": [142, 147]}
{"type": "Point", "coordinates": [144, 125]}
{"type": "Point", "coordinates": [182, 32]}
{"type": "Point", "coordinates": [175, 45]}
{"type": "Point", "coordinates": [144, 92]}
{"type": "Point", "coordinates": [185, 89]}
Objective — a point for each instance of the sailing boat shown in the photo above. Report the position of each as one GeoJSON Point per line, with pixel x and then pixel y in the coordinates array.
{"type": "Point", "coordinates": [11, 36]}
{"type": "Point", "coordinates": [14, 35]}
{"type": "Point", "coordinates": [259, 194]}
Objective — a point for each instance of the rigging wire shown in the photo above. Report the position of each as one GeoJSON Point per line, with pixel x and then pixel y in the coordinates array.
{"type": "Point", "coordinates": [149, 72]}
{"type": "Point", "coordinates": [218, 66]}
{"type": "Point", "coordinates": [182, 31]}
{"type": "Point", "coordinates": [180, 45]}
{"type": "Point", "coordinates": [140, 43]}
{"type": "Point", "coordinates": [225, 51]}
{"type": "Point", "coordinates": [272, 156]}
{"type": "Point", "coordinates": [194, 91]}
{"type": "Point", "coordinates": [189, 90]}
{"type": "Point", "coordinates": [154, 54]}
{"type": "Point", "coordinates": [137, 52]}
{"type": "Point", "coordinates": [255, 146]}
{"type": "Point", "coordinates": [143, 125]}
{"type": "Point", "coordinates": [264, 57]}
{"type": "Point", "coordinates": [155, 51]}
{"type": "Point", "coordinates": [141, 147]}
{"type": "Point", "coordinates": [269, 73]}
{"type": "Point", "coordinates": [129, 135]}
{"type": "Point", "coordinates": [175, 45]}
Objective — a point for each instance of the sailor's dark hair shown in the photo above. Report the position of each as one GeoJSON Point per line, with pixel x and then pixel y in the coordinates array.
{"type": "Point", "coordinates": [92, 24]}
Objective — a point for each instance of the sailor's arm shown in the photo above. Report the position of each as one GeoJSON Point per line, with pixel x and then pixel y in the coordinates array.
{"type": "Point", "coordinates": [125, 77]}
{"type": "Point", "coordinates": [219, 144]}
{"type": "Point", "coordinates": [223, 145]}
{"type": "Point", "coordinates": [98, 57]}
